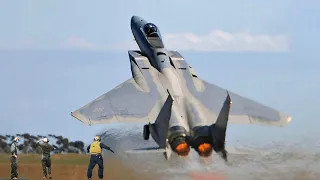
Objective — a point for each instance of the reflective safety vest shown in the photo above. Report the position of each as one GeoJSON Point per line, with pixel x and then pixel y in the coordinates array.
{"type": "Point", "coordinates": [95, 148]}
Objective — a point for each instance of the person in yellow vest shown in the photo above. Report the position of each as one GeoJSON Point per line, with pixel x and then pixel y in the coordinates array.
{"type": "Point", "coordinates": [95, 150]}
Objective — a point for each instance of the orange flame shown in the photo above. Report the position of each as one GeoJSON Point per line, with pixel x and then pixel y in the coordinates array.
{"type": "Point", "coordinates": [182, 149]}
{"type": "Point", "coordinates": [205, 149]}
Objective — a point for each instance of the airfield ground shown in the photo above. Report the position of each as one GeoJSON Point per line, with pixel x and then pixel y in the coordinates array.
{"type": "Point", "coordinates": [278, 166]}
{"type": "Point", "coordinates": [74, 167]}
{"type": "Point", "coordinates": [65, 167]}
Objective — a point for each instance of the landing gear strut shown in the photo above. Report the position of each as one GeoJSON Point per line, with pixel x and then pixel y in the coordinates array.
{"type": "Point", "coordinates": [146, 132]}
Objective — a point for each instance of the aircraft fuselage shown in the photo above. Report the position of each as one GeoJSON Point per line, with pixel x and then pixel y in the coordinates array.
{"type": "Point", "coordinates": [149, 40]}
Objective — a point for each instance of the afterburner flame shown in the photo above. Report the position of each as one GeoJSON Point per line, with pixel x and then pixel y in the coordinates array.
{"type": "Point", "coordinates": [205, 149]}
{"type": "Point", "coordinates": [183, 149]}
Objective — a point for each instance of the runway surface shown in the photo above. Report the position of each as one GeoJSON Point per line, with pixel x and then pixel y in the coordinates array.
{"type": "Point", "coordinates": [268, 160]}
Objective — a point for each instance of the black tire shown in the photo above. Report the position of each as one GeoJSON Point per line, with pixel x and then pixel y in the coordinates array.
{"type": "Point", "coordinates": [146, 132]}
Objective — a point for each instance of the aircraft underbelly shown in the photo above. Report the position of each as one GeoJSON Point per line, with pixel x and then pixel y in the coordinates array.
{"type": "Point", "coordinates": [172, 82]}
{"type": "Point", "coordinates": [177, 117]}
{"type": "Point", "coordinates": [196, 116]}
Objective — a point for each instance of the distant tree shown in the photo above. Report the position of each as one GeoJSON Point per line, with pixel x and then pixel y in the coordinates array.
{"type": "Point", "coordinates": [20, 147]}
{"type": "Point", "coordinates": [3, 144]}
{"type": "Point", "coordinates": [29, 144]}
{"type": "Point", "coordinates": [26, 142]}
{"type": "Point", "coordinates": [6, 149]}
{"type": "Point", "coordinates": [40, 136]}
{"type": "Point", "coordinates": [26, 135]}
{"type": "Point", "coordinates": [65, 143]}
{"type": "Point", "coordinates": [79, 145]}
{"type": "Point", "coordinates": [33, 145]}
{"type": "Point", "coordinates": [33, 137]}
{"type": "Point", "coordinates": [25, 149]}
{"type": "Point", "coordinates": [60, 149]}
{"type": "Point", "coordinates": [73, 150]}
{"type": "Point", "coordinates": [3, 137]}
{"type": "Point", "coordinates": [59, 142]}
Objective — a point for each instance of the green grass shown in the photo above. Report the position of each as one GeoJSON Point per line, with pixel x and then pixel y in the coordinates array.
{"type": "Point", "coordinates": [57, 159]}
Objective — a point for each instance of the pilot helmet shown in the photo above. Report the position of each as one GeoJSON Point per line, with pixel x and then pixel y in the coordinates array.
{"type": "Point", "coordinates": [150, 28]}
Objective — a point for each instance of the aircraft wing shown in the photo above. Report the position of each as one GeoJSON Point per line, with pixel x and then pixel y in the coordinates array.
{"type": "Point", "coordinates": [243, 110]}
{"type": "Point", "coordinates": [211, 98]}
{"type": "Point", "coordinates": [139, 99]}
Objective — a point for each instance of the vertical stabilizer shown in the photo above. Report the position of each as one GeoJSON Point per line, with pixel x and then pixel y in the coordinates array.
{"type": "Point", "coordinates": [218, 130]}
{"type": "Point", "coordinates": [159, 129]}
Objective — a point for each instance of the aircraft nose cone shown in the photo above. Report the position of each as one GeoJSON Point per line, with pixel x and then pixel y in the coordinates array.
{"type": "Point", "coordinates": [135, 19]}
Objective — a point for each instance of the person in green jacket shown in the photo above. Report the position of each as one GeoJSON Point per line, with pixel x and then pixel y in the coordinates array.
{"type": "Point", "coordinates": [14, 156]}
{"type": "Point", "coordinates": [46, 159]}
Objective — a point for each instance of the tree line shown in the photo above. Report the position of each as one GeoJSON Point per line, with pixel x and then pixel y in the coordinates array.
{"type": "Point", "coordinates": [28, 144]}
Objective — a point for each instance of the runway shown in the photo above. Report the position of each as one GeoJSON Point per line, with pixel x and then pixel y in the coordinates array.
{"type": "Point", "coordinates": [272, 161]}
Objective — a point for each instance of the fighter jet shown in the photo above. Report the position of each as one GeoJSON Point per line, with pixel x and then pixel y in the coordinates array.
{"type": "Point", "coordinates": [180, 110]}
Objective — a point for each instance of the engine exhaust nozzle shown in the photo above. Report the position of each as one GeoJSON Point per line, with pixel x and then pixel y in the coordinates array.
{"type": "Point", "coordinates": [180, 146]}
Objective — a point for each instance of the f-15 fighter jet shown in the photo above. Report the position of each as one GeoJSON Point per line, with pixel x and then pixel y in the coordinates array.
{"type": "Point", "coordinates": [181, 111]}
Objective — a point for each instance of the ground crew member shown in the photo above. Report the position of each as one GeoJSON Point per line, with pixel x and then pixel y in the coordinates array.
{"type": "Point", "coordinates": [14, 156]}
{"type": "Point", "coordinates": [95, 150]}
{"type": "Point", "coordinates": [46, 160]}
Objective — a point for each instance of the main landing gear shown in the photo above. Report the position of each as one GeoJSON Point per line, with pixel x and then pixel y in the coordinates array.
{"type": "Point", "coordinates": [146, 132]}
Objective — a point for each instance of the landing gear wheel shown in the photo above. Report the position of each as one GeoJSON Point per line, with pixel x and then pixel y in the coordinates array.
{"type": "Point", "coordinates": [146, 132]}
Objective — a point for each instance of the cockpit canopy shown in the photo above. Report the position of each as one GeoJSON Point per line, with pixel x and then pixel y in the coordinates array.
{"type": "Point", "coordinates": [153, 35]}
{"type": "Point", "coordinates": [151, 30]}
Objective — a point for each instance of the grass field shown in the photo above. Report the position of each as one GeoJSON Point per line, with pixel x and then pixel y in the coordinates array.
{"type": "Point", "coordinates": [66, 167]}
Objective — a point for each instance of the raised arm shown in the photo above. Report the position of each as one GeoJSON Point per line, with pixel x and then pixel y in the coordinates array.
{"type": "Point", "coordinates": [38, 142]}
{"type": "Point", "coordinates": [105, 147]}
